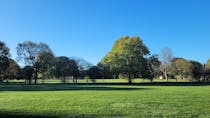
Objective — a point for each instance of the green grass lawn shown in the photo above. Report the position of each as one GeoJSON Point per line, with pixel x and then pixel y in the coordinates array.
{"type": "Point", "coordinates": [63, 100]}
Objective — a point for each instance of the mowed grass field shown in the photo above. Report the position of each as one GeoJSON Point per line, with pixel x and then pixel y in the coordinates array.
{"type": "Point", "coordinates": [104, 101]}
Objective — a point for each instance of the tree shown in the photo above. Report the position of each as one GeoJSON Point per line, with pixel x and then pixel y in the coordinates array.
{"type": "Point", "coordinates": [28, 74]}
{"type": "Point", "coordinates": [44, 62]}
{"type": "Point", "coordinates": [4, 60]}
{"type": "Point", "coordinates": [206, 71]}
{"type": "Point", "coordinates": [13, 70]}
{"type": "Point", "coordinates": [83, 66]}
{"type": "Point", "coordinates": [207, 65]}
{"type": "Point", "coordinates": [165, 58]}
{"type": "Point", "coordinates": [197, 69]}
{"type": "Point", "coordinates": [181, 67]}
{"type": "Point", "coordinates": [94, 73]}
{"type": "Point", "coordinates": [151, 67]}
{"type": "Point", "coordinates": [63, 67]}
{"type": "Point", "coordinates": [104, 71]}
{"type": "Point", "coordinates": [28, 52]}
{"type": "Point", "coordinates": [126, 56]}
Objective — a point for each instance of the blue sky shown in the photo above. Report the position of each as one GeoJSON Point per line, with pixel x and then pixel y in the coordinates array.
{"type": "Point", "coordinates": [88, 28]}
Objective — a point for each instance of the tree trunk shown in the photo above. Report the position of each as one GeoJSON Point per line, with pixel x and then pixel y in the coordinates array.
{"type": "Point", "coordinates": [166, 76]}
{"type": "Point", "coordinates": [35, 79]}
{"type": "Point", "coordinates": [42, 80]}
{"type": "Point", "coordinates": [129, 79]}
{"type": "Point", "coordinates": [64, 79]}
{"type": "Point", "coordinates": [76, 80]}
{"type": "Point", "coordinates": [29, 81]}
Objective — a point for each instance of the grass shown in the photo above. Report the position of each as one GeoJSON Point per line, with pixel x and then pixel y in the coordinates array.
{"type": "Point", "coordinates": [104, 101]}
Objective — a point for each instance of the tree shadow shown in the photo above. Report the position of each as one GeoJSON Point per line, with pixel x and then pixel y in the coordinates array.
{"type": "Point", "coordinates": [7, 114]}
{"type": "Point", "coordinates": [66, 87]}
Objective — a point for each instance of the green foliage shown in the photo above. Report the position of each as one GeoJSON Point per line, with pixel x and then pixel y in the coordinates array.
{"type": "Point", "coordinates": [13, 71]}
{"type": "Point", "coordinates": [80, 101]}
{"type": "Point", "coordinates": [63, 67]}
{"type": "Point", "coordinates": [126, 56]}
{"type": "Point", "coordinates": [207, 66]}
{"type": "Point", "coordinates": [4, 60]}
{"type": "Point", "coordinates": [181, 67]}
{"type": "Point", "coordinates": [28, 73]}
{"type": "Point", "coordinates": [28, 52]}
{"type": "Point", "coordinates": [197, 69]}
{"type": "Point", "coordinates": [105, 71]}
{"type": "Point", "coordinates": [151, 68]}
{"type": "Point", "coordinates": [44, 62]}
{"type": "Point", "coordinates": [94, 72]}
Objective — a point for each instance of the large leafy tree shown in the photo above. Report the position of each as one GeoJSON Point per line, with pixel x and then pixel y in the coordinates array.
{"type": "Point", "coordinates": [152, 67]}
{"type": "Point", "coordinates": [4, 60]}
{"type": "Point", "coordinates": [64, 67]}
{"type": "Point", "coordinates": [181, 67]}
{"type": "Point", "coordinates": [44, 62]}
{"type": "Point", "coordinates": [207, 65]}
{"type": "Point", "coordinates": [94, 72]}
{"type": "Point", "coordinates": [28, 52]}
{"type": "Point", "coordinates": [104, 71]}
{"type": "Point", "coordinates": [197, 69]}
{"type": "Point", "coordinates": [126, 56]}
{"type": "Point", "coordinates": [206, 72]}
{"type": "Point", "coordinates": [13, 70]}
{"type": "Point", "coordinates": [166, 57]}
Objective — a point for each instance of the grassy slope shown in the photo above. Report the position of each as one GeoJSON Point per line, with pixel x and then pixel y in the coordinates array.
{"type": "Point", "coordinates": [104, 101]}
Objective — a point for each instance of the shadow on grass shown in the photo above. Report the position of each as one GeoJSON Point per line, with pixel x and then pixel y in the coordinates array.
{"type": "Point", "coordinates": [65, 87]}
{"type": "Point", "coordinates": [51, 115]}
{"type": "Point", "coordinates": [13, 115]}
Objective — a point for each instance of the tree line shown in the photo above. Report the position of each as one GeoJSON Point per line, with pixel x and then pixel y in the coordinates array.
{"type": "Point", "coordinates": [128, 58]}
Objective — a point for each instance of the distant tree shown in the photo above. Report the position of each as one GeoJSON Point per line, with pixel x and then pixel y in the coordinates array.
{"type": "Point", "coordinates": [181, 67]}
{"type": "Point", "coordinates": [63, 67]}
{"type": "Point", "coordinates": [104, 71]}
{"type": "Point", "coordinates": [13, 70]}
{"type": "Point", "coordinates": [83, 65]}
{"type": "Point", "coordinates": [44, 62]}
{"type": "Point", "coordinates": [165, 58]}
{"type": "Point", "coordinates": [207, 65]}
{"type": "Point", "coordinates": [28, 74]}
{"type": "Point", "coordinates": [4, 60]}
{"type": "Point", "coordinates": [151, 67]}
{"type": "Point", "coordinates": [94, 73]}
{"type": "Point", "coordinates": [28, 52]}
{"type": "Point", "coordinates": [206, 71]}
{"type": "Point", "coordinates": [197, 69]}
{"type": "Point", "coordinates": [126, 56]}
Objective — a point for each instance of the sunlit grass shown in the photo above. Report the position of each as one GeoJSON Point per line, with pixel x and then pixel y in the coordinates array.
{"type": "Point", "coordinates": [63, 100]}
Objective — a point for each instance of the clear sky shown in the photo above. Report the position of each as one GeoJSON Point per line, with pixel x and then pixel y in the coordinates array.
{"type": "Point", "coordinates": [88, 28]}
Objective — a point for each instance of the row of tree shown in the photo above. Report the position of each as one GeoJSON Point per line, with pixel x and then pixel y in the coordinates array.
{"type": "Point", "coordinates": [129, 58]}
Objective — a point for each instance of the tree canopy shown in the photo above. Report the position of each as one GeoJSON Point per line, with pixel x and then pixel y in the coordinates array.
{"type": "Point", "coordinates": [181, 67]}
{"type": "Point", "coordinates": [28, 53]}
{"type": "Point", "coordinates": [126, 56]}
{"type": "Point", "coordinates": [4, 60]}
